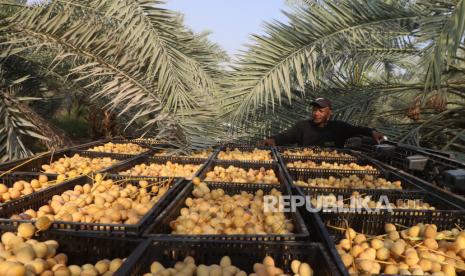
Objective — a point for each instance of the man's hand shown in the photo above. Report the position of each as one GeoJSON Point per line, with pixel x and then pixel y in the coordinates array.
{"type": "Point", "coordinates": [267, 142]}
{"type": "Point", "coordinates": [377, 136]}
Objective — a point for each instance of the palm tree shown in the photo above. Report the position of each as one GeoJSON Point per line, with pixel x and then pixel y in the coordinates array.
{"type": "Point", "coordinates": [364, 54]}
{"type": "Point", "coordinates": [395, 65]}
{"type": "Point", "coordinates": [135, 56]}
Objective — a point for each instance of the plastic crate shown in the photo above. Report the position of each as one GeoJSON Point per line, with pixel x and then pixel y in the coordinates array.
{"type": "Point", "coordinates": [274, 166]}
{"type": "Point", "coordinates": [304, 175]}
{"type": "Point", "coordinates": [34, 165]}
{"type": "Point", "coordinates": [35, 201]}
{"type": "Point", "coordinates": [85, 249]}
{"type": "Point", "coordinates": [291, 158]}
{"type": "Point", "coordinates": [10, 178]}
{"type": "Point", "coordinates": [248, 148]}
{"type": "Point", "coordinates": [149, 142]}
{"type": "Point", "coordinates": [148, 149]}
{"type": "Point", "coordinates": [160, 227]}
{"type": "Point", "coordinates": [392, 195]}
{"type": "Point", "coordinates": [339, 172]}
{"type": "Point", "coordinates": [128, 164]}
{"type": "Point", "coordinates": [181, 157]}
{"type": "Point", "coordinates": [373, 225]}
{"type": "Point", "coordinates": [243, 255]}
{"type": "Point", "coordinates": [325, 173]}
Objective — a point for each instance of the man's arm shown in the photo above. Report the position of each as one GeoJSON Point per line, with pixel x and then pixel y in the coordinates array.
{"type": "Point", "coordinates": [351, 131]}
{"type": "Point", "coordinates": [290, 136]}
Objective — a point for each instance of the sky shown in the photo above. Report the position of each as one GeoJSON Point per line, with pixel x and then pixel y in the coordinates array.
{"type": "Point", "coordinates": [230, 21]}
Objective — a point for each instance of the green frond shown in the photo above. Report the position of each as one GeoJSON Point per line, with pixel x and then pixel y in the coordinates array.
{"type": "Point", "coordinates": [443, 32]}
{"type": "Point", "coordinates": [302, 52]}
{"type": "Point", "coordinates": [14, 126]}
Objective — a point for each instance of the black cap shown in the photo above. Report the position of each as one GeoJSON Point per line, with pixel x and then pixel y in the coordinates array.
{"type": "Point", "coordinates": [322, 102]}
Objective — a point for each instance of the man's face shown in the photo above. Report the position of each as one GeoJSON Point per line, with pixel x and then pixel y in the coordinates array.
{"type": "Point", "coordinates": [321, 114]}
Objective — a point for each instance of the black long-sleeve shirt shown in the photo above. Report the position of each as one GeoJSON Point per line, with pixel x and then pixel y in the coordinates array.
{"type": "Point", "coordinates": [333, 134]}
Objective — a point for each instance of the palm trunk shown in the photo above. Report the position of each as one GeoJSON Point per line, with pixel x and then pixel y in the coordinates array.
{"type": "Point", "coordinates": [57, 137]}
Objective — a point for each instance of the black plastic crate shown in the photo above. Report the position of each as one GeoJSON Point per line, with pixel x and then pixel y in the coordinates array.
{"type": "Point", "coordinates": [10, 178]}
{"type": "Point", "coordinates": [287, 158]}
{"type": "Point", "coordinates": [180, 159]}
{"type": "Point", "coordinates": [149, 142]}
{"type": "Point", "coordinates": [147, 148]}
{"type": "Point", "coordinates": [128, 164]}
{"type": "Point", "coordinates": [248, 148]}
{"type": "Point", "coordinates": [243, 255]}
{"type": "Point", "coordinates": [161, 226]}
{"type": "Point", "coordinates": [325, 173]}
{"type": "Point", "coordinates": [373, 224]}
{"type": "Point", "coordinates": [304, 175]}
{"type": "Point", "coordinates": [256, 166]}
{"type": "Point", "coordinates": [87, 249]}
{"type": "Point", "coordinates": [35, 201]}
{"type": "Point", "coordinates": [392, 195]}
{"type": "Point", "coordinates": [361, 161]}
{"type": "Point", "coordinates": [35, 163]}
{"type": "Point", "coordinates": [178, 155]}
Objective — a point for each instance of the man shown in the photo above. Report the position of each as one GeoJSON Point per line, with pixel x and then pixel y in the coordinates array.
{"type": "Point", "coordinates": [320, 131]}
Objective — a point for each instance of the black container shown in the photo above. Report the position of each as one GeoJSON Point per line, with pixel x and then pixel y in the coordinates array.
{"type": "Point", "coordinates": [179, 156]}
{"type": "Point", "coordinates": [35, 201]}
{"type": "Point", "coordinates": [10, 178]}
{"type": "Point", "coordinates": [294, 173]}
{"type": "Point", "coordinates": [392, 195]}
{"type": "Point", "coordinates": [148, 149]}
{"type": "Point", "coordinates": [35, 163]}
{"type": "Point", "coordinates": [290, 158]}
{"type": "Point", "coordinates": [243, 255]}
{"type": "Point", "coordinates": [161, 226]}
{"type": "Point", "coordinates": [85, 249]}
{"type": "Point", "coordinates": [128, 164]}
{"type": "Point", "coordinates": [454, 180]}
{"type": "Point", "coordinates": [256, 166]}
{"type": "Point", "coordinates": [304, 175]}
{"type": "Point", "coordinates": [245, 148]}
{"type": "Point", "coordinates": [181, 159]}
{"type": "Point", "coordinates": [373, 224]}
{"type": "Point", "coordinates": [148, 142]}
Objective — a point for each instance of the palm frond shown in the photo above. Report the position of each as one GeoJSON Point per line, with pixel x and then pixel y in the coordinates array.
{"type": "Point", "coordinates": [14, 126]}
{"type": "Point", "coordinates": [442, 30]}
{"type": "Point", "coordinates": [309, 47]}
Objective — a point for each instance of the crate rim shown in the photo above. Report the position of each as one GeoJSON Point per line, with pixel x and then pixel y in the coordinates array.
{"type": "Point", "coordinates": [126, 229]}
{"type": "Point", "coordinates": [279, 172]}
{"type": "Point", "coordinates": [136, 160]}
{"type": "Point", "coordinates": [245, 148]}
{"type": "Point", "coordinates": [121, 158]}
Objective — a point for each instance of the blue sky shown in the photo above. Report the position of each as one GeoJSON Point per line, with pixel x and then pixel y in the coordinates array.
{"type": "Point", "coordinates": [230, 21]}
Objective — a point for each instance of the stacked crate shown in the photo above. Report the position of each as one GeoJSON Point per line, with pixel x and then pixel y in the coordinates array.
{"type": "Point", "coordinates": [315, 235]}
